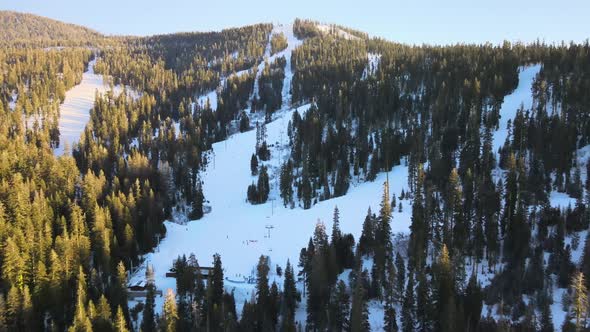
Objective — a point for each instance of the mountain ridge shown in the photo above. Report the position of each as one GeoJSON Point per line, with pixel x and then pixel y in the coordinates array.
{"type": "Point", "coordinates": [21, 27]}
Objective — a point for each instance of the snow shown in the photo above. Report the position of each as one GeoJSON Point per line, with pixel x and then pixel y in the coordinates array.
{"type": "Point", "coordinates": [522, 95]}
{"type": "Point", "coordinates": [561, 200]}
{"type": "Point", "coordinates": [237, 230]}
{"type": "Point", "coordinates": [373, 64]}
{"type": "Point", "coordinates": [12, 102]}
{"type": "Point", "coordinates": [292, 43]}
{"type": "Point", "coordinates": [211, 96]}
{"type": "Point", "coordinates": [332, 29]}
{"type": "Point", "coordinates": [75, 110]}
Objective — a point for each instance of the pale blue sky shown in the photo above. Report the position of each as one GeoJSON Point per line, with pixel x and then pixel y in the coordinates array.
{"type": "Point", "coordinates": [416, 22]}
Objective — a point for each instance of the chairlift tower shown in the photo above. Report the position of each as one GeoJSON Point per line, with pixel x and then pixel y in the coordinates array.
{"type": "Point", "coordinates": [269, 227]}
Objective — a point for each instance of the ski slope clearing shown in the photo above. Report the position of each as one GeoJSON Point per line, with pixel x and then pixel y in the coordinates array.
{"type": "Point", "coordinates": [521, 96]}
{"type": "Point", "coordinates": [332, 29]}
{"type": "Point", "coordinates": [241, 232]}
{"type": "Point", "coordinates": [372, 66]}
{"type": "Point", "coordinates": [75, 110]}
{"type": "Point", "coordinates": [238, 230]}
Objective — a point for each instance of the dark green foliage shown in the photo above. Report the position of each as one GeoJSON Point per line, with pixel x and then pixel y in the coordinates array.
{"type": "Point", "coordinates": [254, 165]}
{"type": "Point", "coordinates": [278, 42]}
{"type": "Point", "coordinates": [270, 85]}
{"type": "Point", "coordinates": [359, 312]}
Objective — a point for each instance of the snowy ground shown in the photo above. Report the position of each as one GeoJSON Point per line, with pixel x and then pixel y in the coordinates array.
{"type": "Point", "coordinates": [75, 110]}
{"type": "Point", "coordinates": [522, 95]}
{"type": "Point", "coordinates": [332, 29]}
{"type": "Point", "coordinates": [238, 230]}
{"type": "Point", "coordinates": [373, 64]}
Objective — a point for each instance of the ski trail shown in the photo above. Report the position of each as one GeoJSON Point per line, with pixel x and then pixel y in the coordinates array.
{"type": "Point", "coordinates": [75, 110]}
{"type": "Point", "coordinates": [522, 95]}
{"type": "Point", "coordinates": [239, 231]}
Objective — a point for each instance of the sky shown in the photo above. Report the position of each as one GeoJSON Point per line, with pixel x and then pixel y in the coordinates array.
{"type": "Point", "coordinates": [413, 22]}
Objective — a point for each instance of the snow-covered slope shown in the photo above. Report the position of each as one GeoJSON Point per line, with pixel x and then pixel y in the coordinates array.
{"type": "Point", "coordinates": [521, 96]}
{"type": "Point", "coordinates": [75, 110]}
{"type": "Point", "coordinates": [238, 230]}
{"type": "Point", "coordinates": [326, 28]}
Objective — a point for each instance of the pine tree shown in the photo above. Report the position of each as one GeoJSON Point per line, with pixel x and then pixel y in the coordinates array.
{"type": "Point", "coordinates": [148, 323]}
{"type": "Point", "coordinates": [215, 294]}
{"type": "Point", "coordinates": [400, 277]}
{"type": "Point", "coordinates": [473, 303]}
{"type": "Point", "coordinates": [262, 293]}
{"type": "Point", "coordinates": [101, 320]}
{"type": "Point", "coordinates": [445, 300]}
{"type": "Point", "coordinates": [170, 313]}
{"type": "Point", "coordinates": [81, 320]}
{"type": "Point", "coordinates": [424, 319]}
{"type": "Point", "coordinates": [546, 318]}
{"type": "Point", "coordinates": [120, 324]}
{"type": "Point", "coordinates": [290, 298]}
{"type": "Point", "coordinates": [319, 280]}
{"type": "Point", "coordinates": [286, 183]}
{"type": "Point", "coordinates": [197, 203]}
{"type": "Point", "coordinates": [120, 287]}
{"type": "Point", "coordinates": [419, 229]}
{"type": "Point", "coordinates": [367, 239]}
{"type": "Point", "coordinates": [580, 299]}
{"type": "Point", "coordinates": [359, 313]}
{"type": "Point", "coordinates": [29, 320]}
{"type": "Point", "coordinates": [3, 326]}
{"type": "Point", "coordinates": [254, 164]}
{"type": "Point", "coordinates": [389, 318]}
{"type": "Point", "coordinates": [585, 266]}
{"type": "Point", "coordinates": [408, 307]}
{"type": "Point", "coordinates": [13, 309]}
{"type": "Point", "coordinates": [337, 249]}
{"type": "Point", "coordinates": [340, 308]}
{"type": "Point", "coordinates": [384, 247]}
{"type": "Point", "coordinates": [263, 186]}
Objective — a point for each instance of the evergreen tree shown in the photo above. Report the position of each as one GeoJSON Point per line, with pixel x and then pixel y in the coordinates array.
{"type": "Point", "coordinates": [263, 186]}
{"type": "Point", "coordinates": [290, 299]}
{"type": "Point", "coordinates": [400, 277]}
{"type": "Point", "coordinates": [424, 310]}
{"type": "Point", "coordinates": [408, 307]}
{"type": "Point", "coordinates": [263, 300]}
{"type": "Point", "coordinates": [579, 300]}
{"type": "Point", "coordinates": [339, 311]}
{"type": "Point", "coordinates": [367, 239]}
{"type": "Point", "coordinates": [120, 324]}
{"type": "Point", "coordinates": [254, 164]}
{"type": "Point", "coordinates": [170, 313]}
{"type": "Point", "coordinates": [384, 247]}
{"type": "Point", "coordinates": [359, 313]}
{"type": "Point", "coordinates": [81, 319]}
{"type": "Point", "coordinates": [473, 304]}
{"type": "Point", "coordinates": [148, 323]}
{"type": "Point", "coordinates": [546, 318]}
{"type": "Point", "coordinates": [445, 301]}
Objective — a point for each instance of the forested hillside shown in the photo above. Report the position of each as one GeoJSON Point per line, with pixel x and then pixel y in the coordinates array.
{"type": "Point", "coordinates": [32, 29]}
{"type": "Point", "coordinates": [479, 154]}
